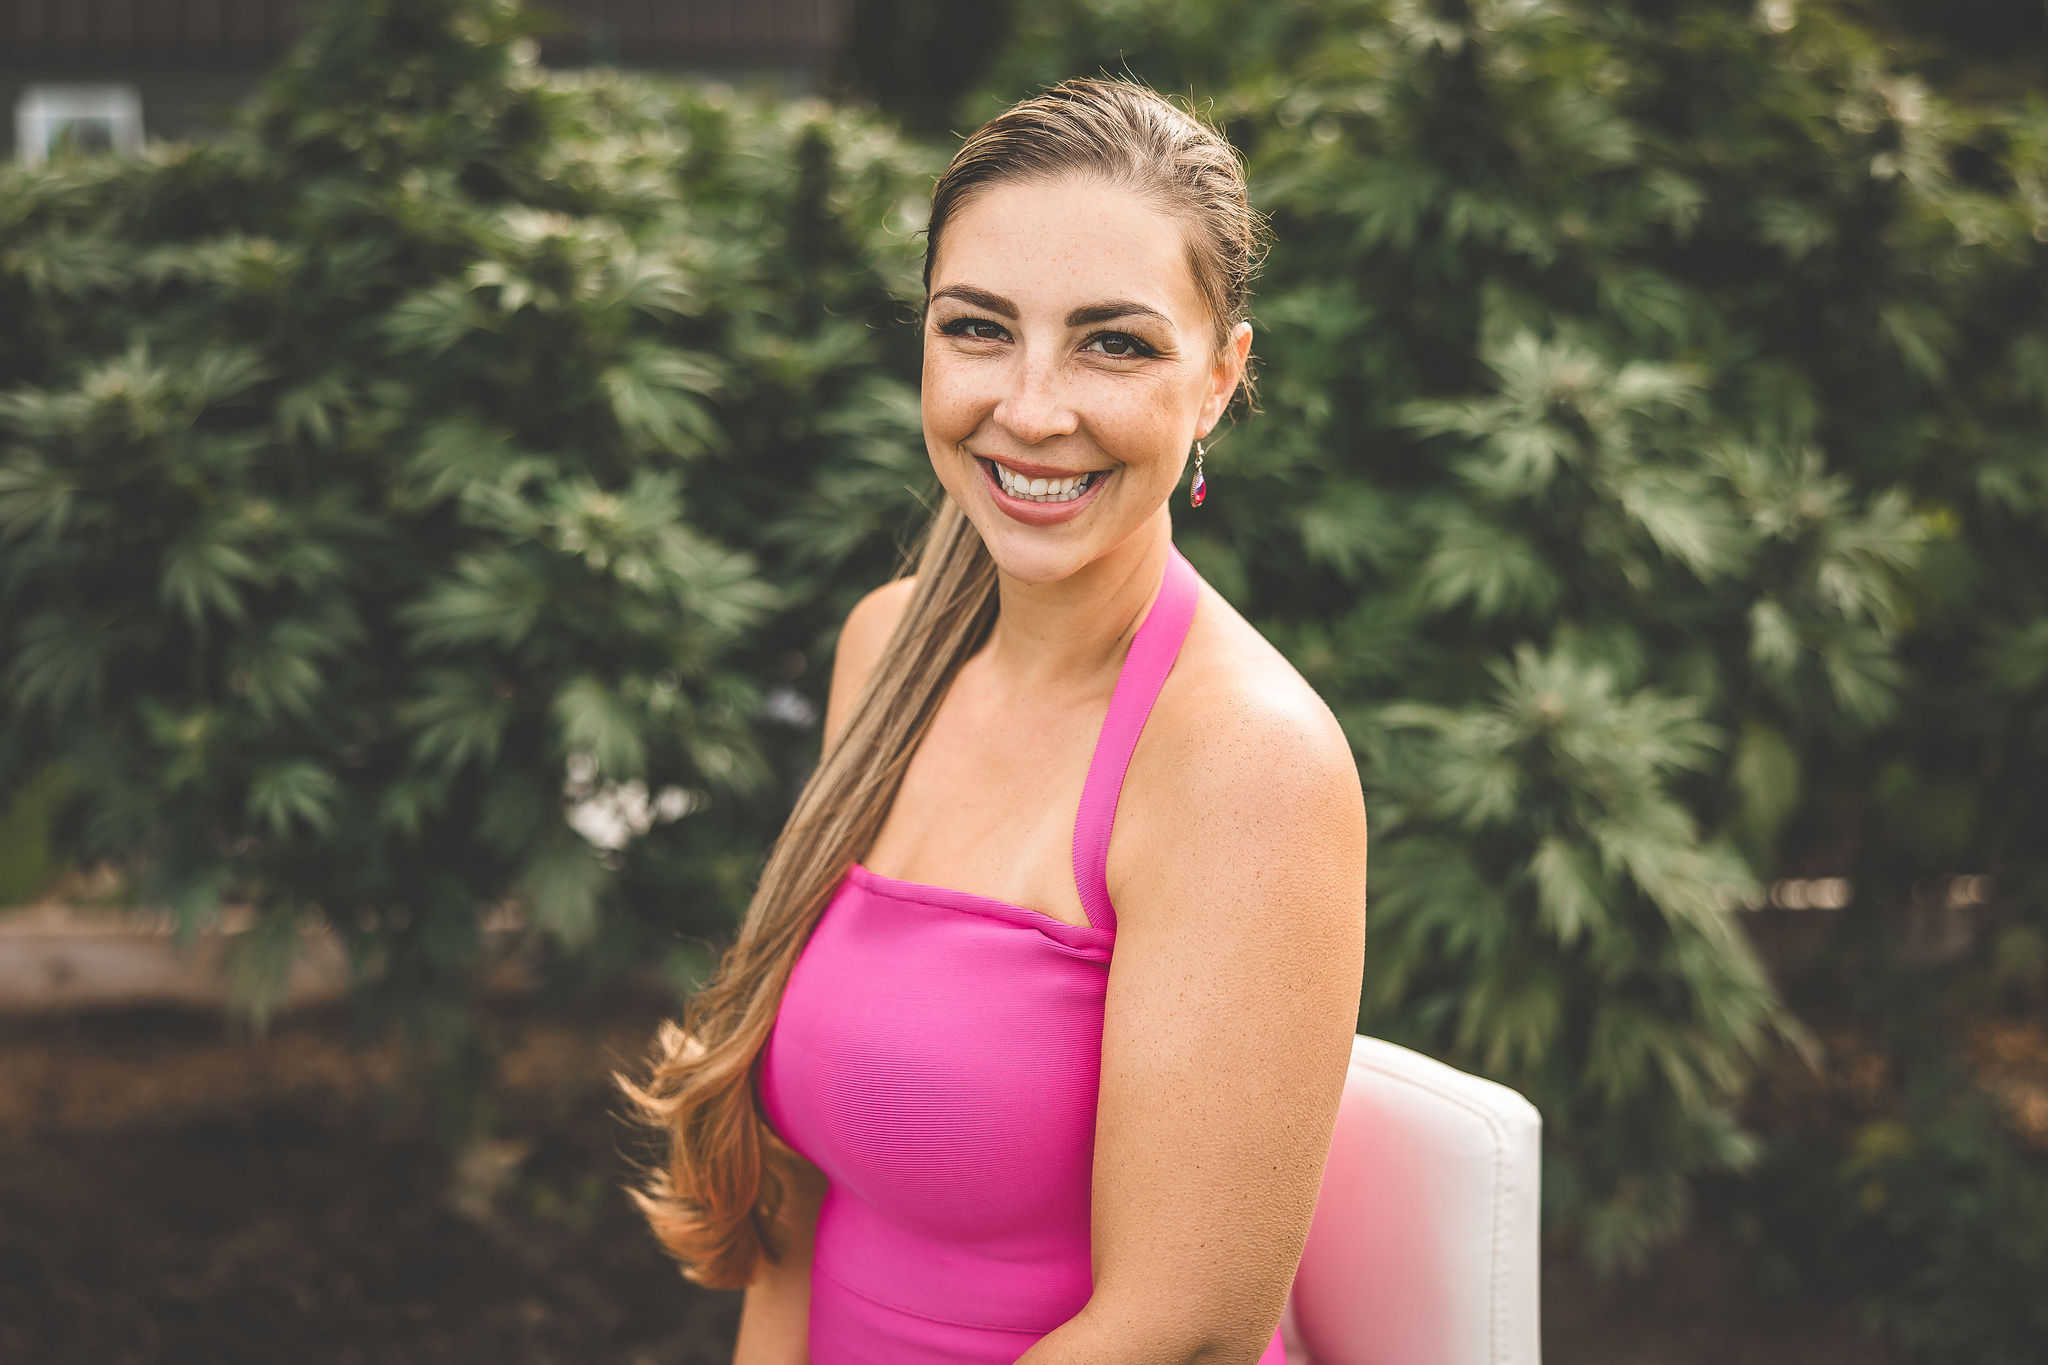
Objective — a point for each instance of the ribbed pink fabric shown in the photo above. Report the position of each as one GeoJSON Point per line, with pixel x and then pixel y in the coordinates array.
{"type": "Point", "coordinates": [937, 1055]}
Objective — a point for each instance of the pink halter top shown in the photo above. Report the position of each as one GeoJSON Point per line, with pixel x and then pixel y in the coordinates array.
{"type": "Point", "coordinates": [937, 1055]}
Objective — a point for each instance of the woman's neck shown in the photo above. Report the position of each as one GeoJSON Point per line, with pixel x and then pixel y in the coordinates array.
{"type": "Point", "coordinates": [1068, 638]}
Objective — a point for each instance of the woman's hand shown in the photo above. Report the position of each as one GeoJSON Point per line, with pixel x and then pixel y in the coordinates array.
{"type": "Point", "coordinates": [1233, 1000]}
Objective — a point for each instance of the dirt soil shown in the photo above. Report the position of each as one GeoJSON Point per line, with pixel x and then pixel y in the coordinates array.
{"type": "Point", "coordinates": [173, 1190]}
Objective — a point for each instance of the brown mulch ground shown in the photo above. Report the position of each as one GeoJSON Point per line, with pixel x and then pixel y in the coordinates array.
{"type": "Point", "coordinates": [172, 1191]}
{"type": "Point", "coordinates": [169, 1192]}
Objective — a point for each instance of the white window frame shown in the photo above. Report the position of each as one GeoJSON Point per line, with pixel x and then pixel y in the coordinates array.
{"type": "Point", "coordinates": [42, 112]}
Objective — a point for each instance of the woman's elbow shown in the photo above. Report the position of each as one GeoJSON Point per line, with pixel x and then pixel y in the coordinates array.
{"type": "Point", "coordinates": [1183, 1335]}
{"type": "Point", "coordinates": [1232, 1347]}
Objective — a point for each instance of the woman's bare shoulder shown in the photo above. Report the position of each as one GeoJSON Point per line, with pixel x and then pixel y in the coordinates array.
{"type": "Point", "coordinates": [874, 617]}
{"type": "Point", "coordinates": [862, 638]}
{"type": "Point", "coordinates": [1230, 679]}
{"type": "Point", "coordinates": [1235, 727]}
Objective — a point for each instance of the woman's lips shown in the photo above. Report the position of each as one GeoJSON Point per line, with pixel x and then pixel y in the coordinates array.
{"type": "Point", "coordinates": [1039, 513]}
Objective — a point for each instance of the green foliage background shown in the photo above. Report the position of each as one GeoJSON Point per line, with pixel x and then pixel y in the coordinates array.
{"type": "Point", "coordinates": [453, 444]}
{"type": "Point", "coordinates": [1651, 476]}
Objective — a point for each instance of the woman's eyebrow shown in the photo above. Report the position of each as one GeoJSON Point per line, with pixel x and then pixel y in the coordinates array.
{"type": "Point", "coordinates": [1116, 308]}
{"type": "Point", "coordinates": [978, 298]}
{"type": "Point", "coordinates": [1080, 317]}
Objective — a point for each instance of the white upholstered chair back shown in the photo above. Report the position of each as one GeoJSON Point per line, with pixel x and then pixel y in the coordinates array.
{"type": "Point", "coordinates": [1424, 1246]}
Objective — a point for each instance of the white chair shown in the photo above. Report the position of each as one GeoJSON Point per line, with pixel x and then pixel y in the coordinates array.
{"type": "Point", "coordinates": [1424, 1246]}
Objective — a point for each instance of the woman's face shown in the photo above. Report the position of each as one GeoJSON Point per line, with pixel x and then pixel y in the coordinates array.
{"type": "Point", "coordinates": [1065, 335]}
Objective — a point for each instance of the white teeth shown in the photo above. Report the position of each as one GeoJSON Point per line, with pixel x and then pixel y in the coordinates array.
{"type": "Point", "coordinates": [1042, 490]}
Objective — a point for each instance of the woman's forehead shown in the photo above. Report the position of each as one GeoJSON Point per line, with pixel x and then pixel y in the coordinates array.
{"type": "Point", "coordinates": [1051, 245]}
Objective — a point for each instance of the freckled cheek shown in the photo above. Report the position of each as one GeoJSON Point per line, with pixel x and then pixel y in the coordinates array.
{"type": "Point", "coordinates": [1139, 426]}
{"type": "Point", "coordinates": [947, 400]}
{"type": "Point", "coordinates": [939, 406]}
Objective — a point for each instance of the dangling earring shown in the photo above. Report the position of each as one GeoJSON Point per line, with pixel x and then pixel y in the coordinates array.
{"type": "Point", "coordinates": [1200, 488]}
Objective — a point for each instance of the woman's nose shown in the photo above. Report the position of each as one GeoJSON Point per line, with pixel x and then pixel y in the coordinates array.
{"type": "Point", "coordinates": [1034, 406]}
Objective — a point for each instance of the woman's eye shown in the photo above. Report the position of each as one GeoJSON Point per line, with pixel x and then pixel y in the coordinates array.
{"type": "Point", "coordinates": [979, 329]}
{"type": "Point", "coordinates": [1120, 344]}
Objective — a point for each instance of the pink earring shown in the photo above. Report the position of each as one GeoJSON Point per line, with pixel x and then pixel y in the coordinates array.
{"type": "Point", "coordinates": [1200, 488]}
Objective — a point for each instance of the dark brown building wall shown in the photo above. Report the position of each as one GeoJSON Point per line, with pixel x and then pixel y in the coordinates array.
{"type": "Point", "coordinates": [192, 61]}
{"type": "Point", "coordinates": [52, 35]}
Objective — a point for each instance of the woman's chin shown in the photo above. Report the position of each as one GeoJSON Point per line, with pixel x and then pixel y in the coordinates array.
{"type": "Point", "coordinates": [1023, 558]}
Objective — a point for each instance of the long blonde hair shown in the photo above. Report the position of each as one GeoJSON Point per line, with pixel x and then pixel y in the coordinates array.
{"type": "Point", "coordinates": [727, 1175]}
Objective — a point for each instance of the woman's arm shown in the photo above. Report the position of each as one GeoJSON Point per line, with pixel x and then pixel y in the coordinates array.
{"type": "Point", "coordinates": [775, 1315]}
{"type": "Point", "coordinates": [859, 648]}
{"type": "Point", "coordinates": [1233, 1000]}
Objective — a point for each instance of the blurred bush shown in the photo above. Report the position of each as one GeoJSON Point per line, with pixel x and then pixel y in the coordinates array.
{"type": "Point", "coordinates": [453, 453]}
{"type": "Point", "coordinates": [1654, 483]}
{"type": "Point", "coordinates": [1917, 1204]}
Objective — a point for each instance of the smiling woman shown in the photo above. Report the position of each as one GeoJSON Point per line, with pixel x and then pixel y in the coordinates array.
{"type": "Point", "coordinates": [1068, 351]}
{"type": "Point", "coordinates": [1058, 1085]}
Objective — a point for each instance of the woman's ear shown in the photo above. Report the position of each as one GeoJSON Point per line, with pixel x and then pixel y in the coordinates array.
{"type": "Point", "coordinates": [1231, 359]}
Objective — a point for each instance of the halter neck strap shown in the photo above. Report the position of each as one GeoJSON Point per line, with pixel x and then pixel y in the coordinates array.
{"type": "Point", "coordinates": [1151, 656]}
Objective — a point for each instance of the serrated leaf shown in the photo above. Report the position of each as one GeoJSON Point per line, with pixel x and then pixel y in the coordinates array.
{"type": "Point", "coordinates": [561, 886]}
{"type": "Point", "coordinates": [285, 795]}
{"type": "Point", "coordinates": [204, 571]}
{"type": "Point", "coordinates": [456, 720]}
{"type": "Point", "coordinates": [432, 321]}
{"type": "Point", "coordinates": [651, 285]}
{"type": "Point", "coordinates": [1774, 644]}
{"type": "Point", "coordinates": [220, 373]}
{"type": "Point", "coordinates": [1677, 513]}
{"type": "Point", "coordinates": [407, 803]}
{"type": "Point", "coordinates": [35, 497]}
{"type": "Point", "coordinates": [1568, 894]}
{"type": "Point", "coordinates": [312, 411]}
{"type": "Point", "coordinates": [657, 395]}
{"type": "Point", "coordinates": [1487, 568]}
{"type": "Point", "coordinates": [59, 661]}
{"type": "Point", "coordinates": [494, 598]}
{"type": "Point", "coordinates": [593, 721]}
